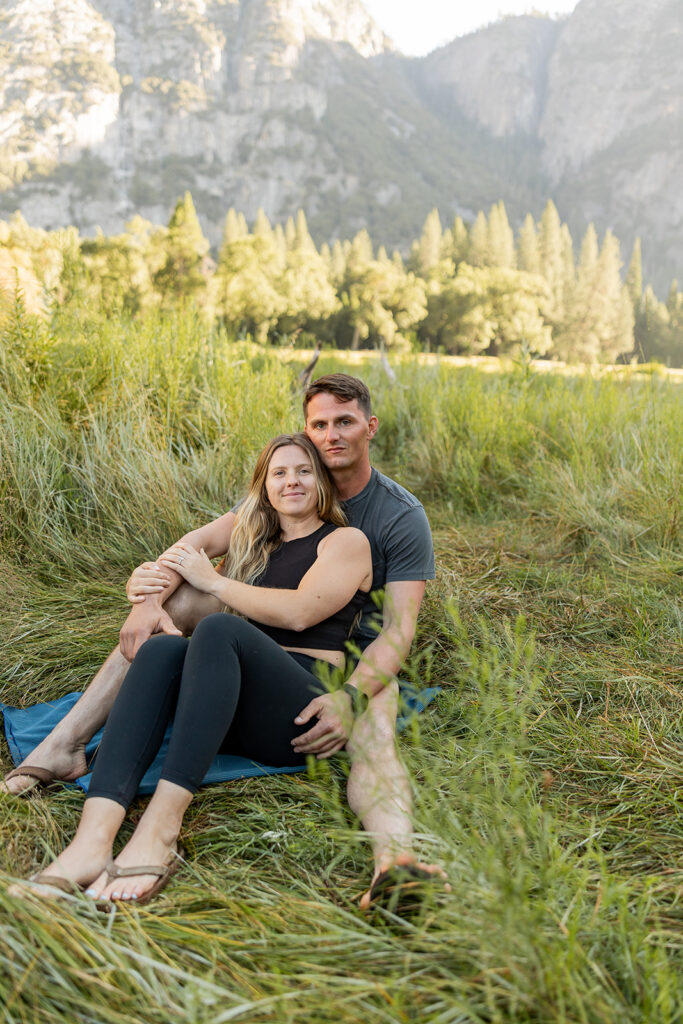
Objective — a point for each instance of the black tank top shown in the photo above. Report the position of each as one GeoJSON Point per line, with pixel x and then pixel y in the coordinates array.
{"type": "Point", "coordinates": [286, 567]}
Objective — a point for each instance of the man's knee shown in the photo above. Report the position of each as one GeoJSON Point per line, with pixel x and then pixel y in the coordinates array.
{"type": "Point", "coordinates": [187, 607]}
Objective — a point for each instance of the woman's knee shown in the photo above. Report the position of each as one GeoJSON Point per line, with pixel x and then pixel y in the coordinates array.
{"type": "Point", "coordinates": [159, 661]}
{"type": "Point", "coordinates": [163, 646]}
{"type": "Point", "coordinates": [219, 627]}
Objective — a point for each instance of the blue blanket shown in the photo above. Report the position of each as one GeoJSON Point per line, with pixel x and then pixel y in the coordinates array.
{"type": "Point", "coordinates": [26, 727]}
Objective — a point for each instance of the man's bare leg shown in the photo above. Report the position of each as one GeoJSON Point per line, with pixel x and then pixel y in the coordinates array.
{"type": "Point", "coordinates": [62, 752]}
{"type": "Point", "coordinates": [378, 788]}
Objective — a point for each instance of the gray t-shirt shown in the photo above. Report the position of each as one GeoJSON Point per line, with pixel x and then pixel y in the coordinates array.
{"type": "Point", "coordinates": [396, 525]}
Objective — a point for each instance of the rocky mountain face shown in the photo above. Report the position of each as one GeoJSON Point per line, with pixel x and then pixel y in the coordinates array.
{"type": "Point", "coordinates": [115, 107]}
{"type": "Point", "coordinates": [498, 76]}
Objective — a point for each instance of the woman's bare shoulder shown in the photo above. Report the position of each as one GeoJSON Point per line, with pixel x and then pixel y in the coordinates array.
{"type": "Point", "coordinates": [346, 536]}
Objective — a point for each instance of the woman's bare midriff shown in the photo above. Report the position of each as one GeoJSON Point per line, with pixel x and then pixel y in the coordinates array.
{"type": "Point", "coordinates": [335, 658]}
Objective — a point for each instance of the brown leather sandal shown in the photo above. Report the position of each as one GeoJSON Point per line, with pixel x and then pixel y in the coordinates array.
{"type": "Point", "coordinates": [37, 884]}
{"type": "Point", "coordinates": [39, 777]}
{"type": "Point", "coordinates": [165, 873]}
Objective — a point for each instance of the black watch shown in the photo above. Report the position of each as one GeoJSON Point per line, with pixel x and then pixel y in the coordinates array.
{"type": "Point", "coordinates": [359, 700]}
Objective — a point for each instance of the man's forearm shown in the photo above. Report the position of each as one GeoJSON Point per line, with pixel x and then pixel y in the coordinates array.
{"type": "Point", "coordinates": [380, 662]}
{"type": "Point", "coordinates": [214, 537]}
{"type": "Point", "coordinates": [157, 600]}
{"type": "Point", "coordinates": [383, 658]}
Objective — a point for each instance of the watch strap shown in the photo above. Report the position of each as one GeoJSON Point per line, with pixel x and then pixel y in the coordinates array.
{"type": "Point", "coordinates": [359, 700]}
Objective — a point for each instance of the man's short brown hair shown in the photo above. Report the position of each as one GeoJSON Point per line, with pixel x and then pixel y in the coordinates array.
{"type": "Point", "coordinates": [344, 388]}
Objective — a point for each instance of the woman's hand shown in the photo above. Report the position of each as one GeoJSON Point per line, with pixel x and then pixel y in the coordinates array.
{"type": "Point", "coordinates": [148, 578]}
{"type": "Point", "coordinates": [194, 566]}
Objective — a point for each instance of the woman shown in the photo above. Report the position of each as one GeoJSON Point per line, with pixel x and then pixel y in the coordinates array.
{"type": "Point", "coordinates": [302, 575]}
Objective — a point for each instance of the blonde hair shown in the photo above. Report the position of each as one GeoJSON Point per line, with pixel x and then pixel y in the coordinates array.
{"type": "Point", "coordinates": [256, 533]}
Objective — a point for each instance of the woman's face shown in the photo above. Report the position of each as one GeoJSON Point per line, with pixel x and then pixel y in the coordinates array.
{"type": "Point", "coordinates": [291, 485]}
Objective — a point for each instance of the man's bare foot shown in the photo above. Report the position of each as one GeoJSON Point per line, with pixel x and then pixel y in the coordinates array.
{"type": "Point", "coordinates": [143, 850]}
{"type": "Point", "coordinates": [62, 761]}
{"type": "Point", "coordinates": [409, 872]}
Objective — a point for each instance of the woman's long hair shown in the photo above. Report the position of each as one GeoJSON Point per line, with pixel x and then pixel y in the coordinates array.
{"type": "Point", "coordinates": [256, 532]}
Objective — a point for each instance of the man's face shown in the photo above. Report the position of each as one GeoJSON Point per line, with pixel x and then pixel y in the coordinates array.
{"type": "Point", "coordinates": [340, 431]}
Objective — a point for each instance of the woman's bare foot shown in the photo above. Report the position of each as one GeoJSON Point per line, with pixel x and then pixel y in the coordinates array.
{"type": "Point", "coordinates": [153, 844]}
{"type": "Point", "coordinates": [141, 851]}
{"type": "Point", "coordinates": [84, 859]}
{"type": "Point", "coordinates": [62, 760]}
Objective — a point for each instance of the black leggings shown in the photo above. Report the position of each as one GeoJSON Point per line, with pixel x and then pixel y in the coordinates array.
{"type": "Point", "coordinates": [229, 688]}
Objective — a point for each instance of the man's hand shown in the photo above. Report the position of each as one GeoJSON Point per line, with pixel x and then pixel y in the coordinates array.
{"type": "Point", "coordinates": [142, 622]}
{"type": "Point", "coordinates": [333, 728]}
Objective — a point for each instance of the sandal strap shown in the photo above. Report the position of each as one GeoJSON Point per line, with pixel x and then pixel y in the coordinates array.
{"type": "Point", "coordinates": [114, 871]}
{"type": "Point", "coordinates": [31, 771]}
{"type": "Point", "coordinates": [55, 881]}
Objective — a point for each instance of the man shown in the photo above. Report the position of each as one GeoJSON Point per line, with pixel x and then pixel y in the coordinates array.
{"type": "Point", "coordinates": [340, 422]}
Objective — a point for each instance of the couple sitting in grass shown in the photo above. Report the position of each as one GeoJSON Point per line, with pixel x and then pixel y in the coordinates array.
{"type": "Point", "coordinates": [300, 580]}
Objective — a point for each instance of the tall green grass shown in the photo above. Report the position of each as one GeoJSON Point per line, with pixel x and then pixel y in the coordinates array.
{"type": "Point", "coordinates": [547, 776]}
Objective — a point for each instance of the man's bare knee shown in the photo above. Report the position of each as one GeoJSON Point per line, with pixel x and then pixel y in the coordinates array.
{"type": "Point", "coordinates": [188, 606]}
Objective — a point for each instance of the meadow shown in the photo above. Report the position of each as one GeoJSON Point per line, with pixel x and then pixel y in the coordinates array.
{"type": "Point", "coordinates": [547, 774]}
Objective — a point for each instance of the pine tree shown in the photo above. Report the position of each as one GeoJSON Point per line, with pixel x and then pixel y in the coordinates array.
{"type": "Point", "coordinates": [460, 250]}
{"type": "Point", "coordinates": [305, 283]}
{"type": "Point", "coordinates": [302, 238]}
{"type": "Point", "coordinates": [235, 226]}
{"type": "Point", "coordinates": [245, 288]}
{"type": "Point", "coordinates": [479, 241]}
{"type": "Point", "coordinates": [617, 334]}
{"type": "Point", "coordinates": [501, 241]}
{"type": "Point", "coordinates": [552, 263]}
{"type": "Point", "coordinates": [429, 246]}
{"type": "Point", "coordinates": [290, 233]}
{"type": "Point", "coordinates": [634, 276]}
{"type": "Point", "coordinates": [659, 327]}
{"type": "Point", "coordinates": [557, 267]}
{"type": "Point", "coordinates": [599, 321]}
{"type": "Point", "coordinates": [568, 266]}
{"type": "Point", "coordinates": [360, 250]}
{"type": "Point", "coordinates": [183, 274]}
{"type": "Point", "coordinates": [673, 299]}
{"type": "Point", "coordinates": [337, 263]}
{"type": "Point", "coordinates": [262, 226]}
{"type": "Point", "coordinates": [528, 251]}
{"type": "Point", "coordinates": [280, 241]}
{"type": "Point", "coordinates": [575, 337]}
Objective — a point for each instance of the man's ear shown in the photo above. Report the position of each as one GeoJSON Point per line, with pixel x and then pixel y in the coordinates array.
{"type": "Point", "coordinates": [373, 424]}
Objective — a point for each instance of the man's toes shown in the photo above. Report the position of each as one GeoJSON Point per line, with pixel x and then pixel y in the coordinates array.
{"type": "Point", "coordinates": [365, 900]}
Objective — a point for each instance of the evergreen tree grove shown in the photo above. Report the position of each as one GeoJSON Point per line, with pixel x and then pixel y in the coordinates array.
{"type": "Point", "coordinates": [471, 288]}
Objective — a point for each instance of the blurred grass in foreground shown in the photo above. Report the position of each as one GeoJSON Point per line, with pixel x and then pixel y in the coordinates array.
{"type": "Point", "coordinates": [547, 775]}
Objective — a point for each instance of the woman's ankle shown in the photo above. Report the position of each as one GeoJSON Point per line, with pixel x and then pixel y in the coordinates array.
{"type": "Point", "coordinates": [164, 813]}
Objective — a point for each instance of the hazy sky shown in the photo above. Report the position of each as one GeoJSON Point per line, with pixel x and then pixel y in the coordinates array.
{"type": "Point", "coordinates": [418, 26]}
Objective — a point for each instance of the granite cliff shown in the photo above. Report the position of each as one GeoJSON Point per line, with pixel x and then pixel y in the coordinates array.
{"type": "Point", "coordinates": [115, 107]}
